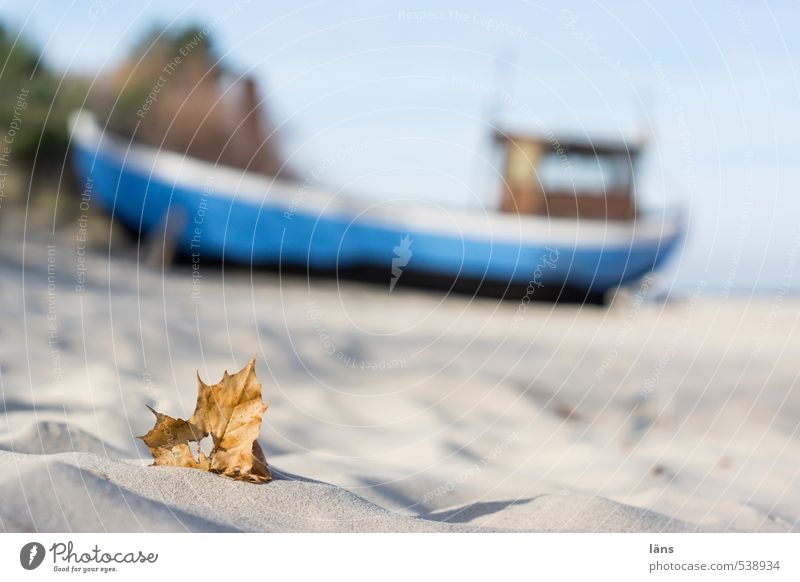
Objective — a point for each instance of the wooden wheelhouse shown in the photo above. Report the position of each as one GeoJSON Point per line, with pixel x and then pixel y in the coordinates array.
{"type": "Point", "coordinates": [568, 178]}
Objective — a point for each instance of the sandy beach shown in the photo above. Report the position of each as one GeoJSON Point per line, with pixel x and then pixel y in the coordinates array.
{"type": "Point", "coordinates": [395, 411]}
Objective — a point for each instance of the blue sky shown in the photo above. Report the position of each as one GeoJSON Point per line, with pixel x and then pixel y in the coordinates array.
{"type": "Point", "coordinates": [403, 95]}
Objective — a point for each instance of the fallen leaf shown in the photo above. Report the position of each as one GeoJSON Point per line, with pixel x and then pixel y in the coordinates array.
{"type": "Point", "coordinates": [231, 413]}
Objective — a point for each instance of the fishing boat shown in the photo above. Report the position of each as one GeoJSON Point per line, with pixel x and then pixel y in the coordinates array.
{"type": "Point", "coordinates": [566, 222]}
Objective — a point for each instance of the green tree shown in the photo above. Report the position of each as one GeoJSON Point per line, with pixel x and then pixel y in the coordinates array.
{"type": "Point", "coordinates": [32, 105]}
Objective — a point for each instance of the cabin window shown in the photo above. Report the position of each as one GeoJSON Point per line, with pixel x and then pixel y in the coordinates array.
{"type": "Point", "coordinates": [585, 173]}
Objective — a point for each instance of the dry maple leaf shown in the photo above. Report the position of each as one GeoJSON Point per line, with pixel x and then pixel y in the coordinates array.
{"type": "Point", "coordinates": [230, 412]}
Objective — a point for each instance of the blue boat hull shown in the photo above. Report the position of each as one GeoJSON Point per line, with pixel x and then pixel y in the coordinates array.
{"type": "Point", "coordinates": [210, 219]}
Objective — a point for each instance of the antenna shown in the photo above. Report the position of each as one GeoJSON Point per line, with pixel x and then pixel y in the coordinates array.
{"type": "Point", "coordinates": [643, 101]}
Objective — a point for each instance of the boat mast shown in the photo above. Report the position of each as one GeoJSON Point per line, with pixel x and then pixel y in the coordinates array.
{"type": "Point", "coordinates": [501, 89]}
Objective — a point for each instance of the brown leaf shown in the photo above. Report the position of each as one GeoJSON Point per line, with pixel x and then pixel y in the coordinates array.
{"type": "Point", "coordinates": [231, 413]}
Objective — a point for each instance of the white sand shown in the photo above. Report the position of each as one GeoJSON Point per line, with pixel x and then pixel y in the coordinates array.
{"type": "Point", "coordinates": [637, 418]}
